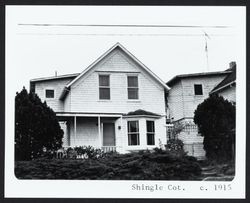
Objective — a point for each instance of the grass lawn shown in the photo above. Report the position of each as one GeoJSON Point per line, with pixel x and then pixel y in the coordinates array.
{"type": "Point", "coordinates": [158, 165]}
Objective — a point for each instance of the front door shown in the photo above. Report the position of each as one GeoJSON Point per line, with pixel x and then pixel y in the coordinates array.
{"type": "Point", "coordinates": [108, 134]}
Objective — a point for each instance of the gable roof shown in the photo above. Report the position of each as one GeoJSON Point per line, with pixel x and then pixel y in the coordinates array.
{"type": "Point", "coordinates": [117, 45]}
{"type": "Point", "coordinates": [179, 77]}
{"type": "Point", "coordinates": [230, 79]}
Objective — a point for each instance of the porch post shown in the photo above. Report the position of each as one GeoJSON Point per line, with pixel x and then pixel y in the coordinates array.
{"type": "Point", "coordinates": [75, 129]}
{"type": "Point", "coordinates": [99, 131]}
{"type": "Point", "coordinates": [123, 137]}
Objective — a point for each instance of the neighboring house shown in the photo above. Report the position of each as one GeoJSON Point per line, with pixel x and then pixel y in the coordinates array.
{"type": "Point", "coordinates": [227, 87]}
{"type": "Point", "coordinates": [186, 93]}
{"type": "Point", "coordinates": [116, 103]}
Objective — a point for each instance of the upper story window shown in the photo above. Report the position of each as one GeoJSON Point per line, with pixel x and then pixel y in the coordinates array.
{"type": "Point", "coordinates": [49, 93]}
{"type": "Point", "coordinates": [133, 133]}
{"type": "Point", "coordinates": [150, 133]}
{"type": "Point", "coordinates": [198, 89]}
{"type": "Point", "coordinates": [133, 88]}
{"type": "Point", "coordinates": [104, 87]}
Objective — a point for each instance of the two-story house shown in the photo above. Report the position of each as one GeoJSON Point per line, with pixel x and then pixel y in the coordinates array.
{"type": "Point", "coordinates": [116, 103]}
{"type": "Point", "coordinates": [186, 93]}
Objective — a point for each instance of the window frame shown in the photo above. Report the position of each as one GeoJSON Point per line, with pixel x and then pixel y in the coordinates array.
{"type": "Point", "coordinates": [133, 87]}
{"type": "Point", "coordinates": [104, 87]}
{"type": "Point", "coordinates": [150, 133]}
{"type": "Point", "coordinates": [195, 85]}
{"type": "Point", "coordinates": [45, 95]}
{"type": "Point", "coordinates": [133, 133]}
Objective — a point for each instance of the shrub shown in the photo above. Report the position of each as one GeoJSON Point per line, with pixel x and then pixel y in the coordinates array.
{"type": "Point", "coordinates": [89, 152]}
{"type": "Point", "coordinates": [215, 118]}
{"type": "Point", "coordinates": [175, 145]}
{"type": "Point", "coordinates": [71, 153]}
{"type": "Point", "coordinates": [144, 165]}
{"type": "Point", "coordinates": [36, 127]}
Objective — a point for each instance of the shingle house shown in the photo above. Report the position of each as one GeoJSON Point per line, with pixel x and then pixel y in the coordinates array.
{"type": "Point", "coordinates": [187, 92]}
{"type": "Point", "coordinates": [116, 103]}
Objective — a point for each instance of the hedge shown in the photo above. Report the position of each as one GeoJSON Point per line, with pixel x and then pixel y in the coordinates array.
{"type": "Point", "coordinates": [157, 165]}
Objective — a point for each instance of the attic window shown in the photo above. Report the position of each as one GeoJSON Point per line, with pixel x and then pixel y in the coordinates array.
{"type": "Point", "coordinates": [198, 89]}
{"type": "Point", "coordinates": [49, 93]}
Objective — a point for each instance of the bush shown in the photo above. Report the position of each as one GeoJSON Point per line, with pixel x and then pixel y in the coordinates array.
{"type": "Point", "coordinates": [36, 127]}
{"type": "Point", "coordinates": [174, 145]}
{"type": "Point", "coordinates": [144, 165]}
{"type": "Point", "coordinates": [88, 152]}
{"type": "Point", "coordinates": [215, 118]}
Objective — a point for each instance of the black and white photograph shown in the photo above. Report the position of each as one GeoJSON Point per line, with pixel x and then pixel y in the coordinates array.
{"type": "Point", "coordinates": [118, 101]}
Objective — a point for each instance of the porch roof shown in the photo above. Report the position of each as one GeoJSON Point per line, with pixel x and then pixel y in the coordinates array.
{"type": "Point", "coordinates": [88, 114]}
{"type": "Point", "coordinates": [141, 113]}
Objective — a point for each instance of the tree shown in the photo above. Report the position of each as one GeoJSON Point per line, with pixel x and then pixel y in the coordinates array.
{"type": "Point", "coordinates": [215, 118]}
{"type": "Point", "coordinates": [36, 127]}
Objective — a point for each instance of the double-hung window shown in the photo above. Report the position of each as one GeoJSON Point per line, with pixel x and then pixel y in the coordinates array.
{"type": "Point", "coordinates": [104, 87]}
{"type": "Point", "coordinates": [133, 133]}
{"type": "Point", "coordinates": [133, 89]}
{"type": "Point", "coordinates": [150, 133]}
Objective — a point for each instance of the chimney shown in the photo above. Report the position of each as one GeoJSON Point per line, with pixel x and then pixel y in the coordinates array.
{"type": "Point", "coordinates": [232, 64]}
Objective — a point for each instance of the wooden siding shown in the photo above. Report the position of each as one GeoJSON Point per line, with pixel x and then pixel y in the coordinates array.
{"type": "Point", "coordinates": [58, 86]}
{"type": "Point", "coordinates": [86, 132]}
{"type": "Point", "coordinates": [190, 100]}
{"type": "Point", "coordinates": [228, 93]}
{"type": "Point", "coordinates": [84, 94]}
{"type": "Point", "coordinates": [182, 101]}
{"type": "Point", "coordinates": [175, 102]}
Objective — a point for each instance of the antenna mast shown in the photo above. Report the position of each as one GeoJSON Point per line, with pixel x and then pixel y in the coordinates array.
{"type": "Point", "coordinates": [206, 36]}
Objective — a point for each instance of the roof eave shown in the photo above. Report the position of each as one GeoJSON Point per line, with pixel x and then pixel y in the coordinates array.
{"type": "Point", "coordinates": [54, 77]}
{"type": "Point", "coordinates": [223, 87]}
{"type": "Point", "coordinates": [136, 116]}
{"type": "Point", "coordinates": [130, 55]}
{"type": "Point", "coordinates": [64, 93]}
{"type": "Point", "coordinates": [177, 77]}
{"type": "Point", "coordinates": [92, 65]}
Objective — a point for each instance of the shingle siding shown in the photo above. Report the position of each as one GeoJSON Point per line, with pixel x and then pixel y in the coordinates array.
{"type": "Point", "coordinates": [175, 102]}
{"type": "Point", "coordinates": [190, 100]}
{"type": "Point", "coordinates": [84, 96]}
{"type": "Point", "coordinates": [86, 132]}
{"type": "Point", "coordinates": [228, 93]}
{"type": "Point", "coordinates": [117, 61]}
{"type": "Point", "coordinates": [182, 101]}
{"type": "Point", "coordinates": [58, 86]}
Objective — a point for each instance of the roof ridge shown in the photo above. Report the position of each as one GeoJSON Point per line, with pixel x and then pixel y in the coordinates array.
{"type": "Point", "coordinates": [55, 77]}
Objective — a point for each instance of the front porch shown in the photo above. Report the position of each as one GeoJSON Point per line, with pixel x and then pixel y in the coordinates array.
{"type": "Point", "coordinates": [97, 130]}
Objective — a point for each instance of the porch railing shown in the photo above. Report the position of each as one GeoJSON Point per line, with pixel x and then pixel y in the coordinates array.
{"type": "Point", "coordinates": [109, 149]}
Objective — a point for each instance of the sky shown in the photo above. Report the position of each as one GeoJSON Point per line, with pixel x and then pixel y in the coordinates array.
{"type": "Point", "coordinates": [68, 45]}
